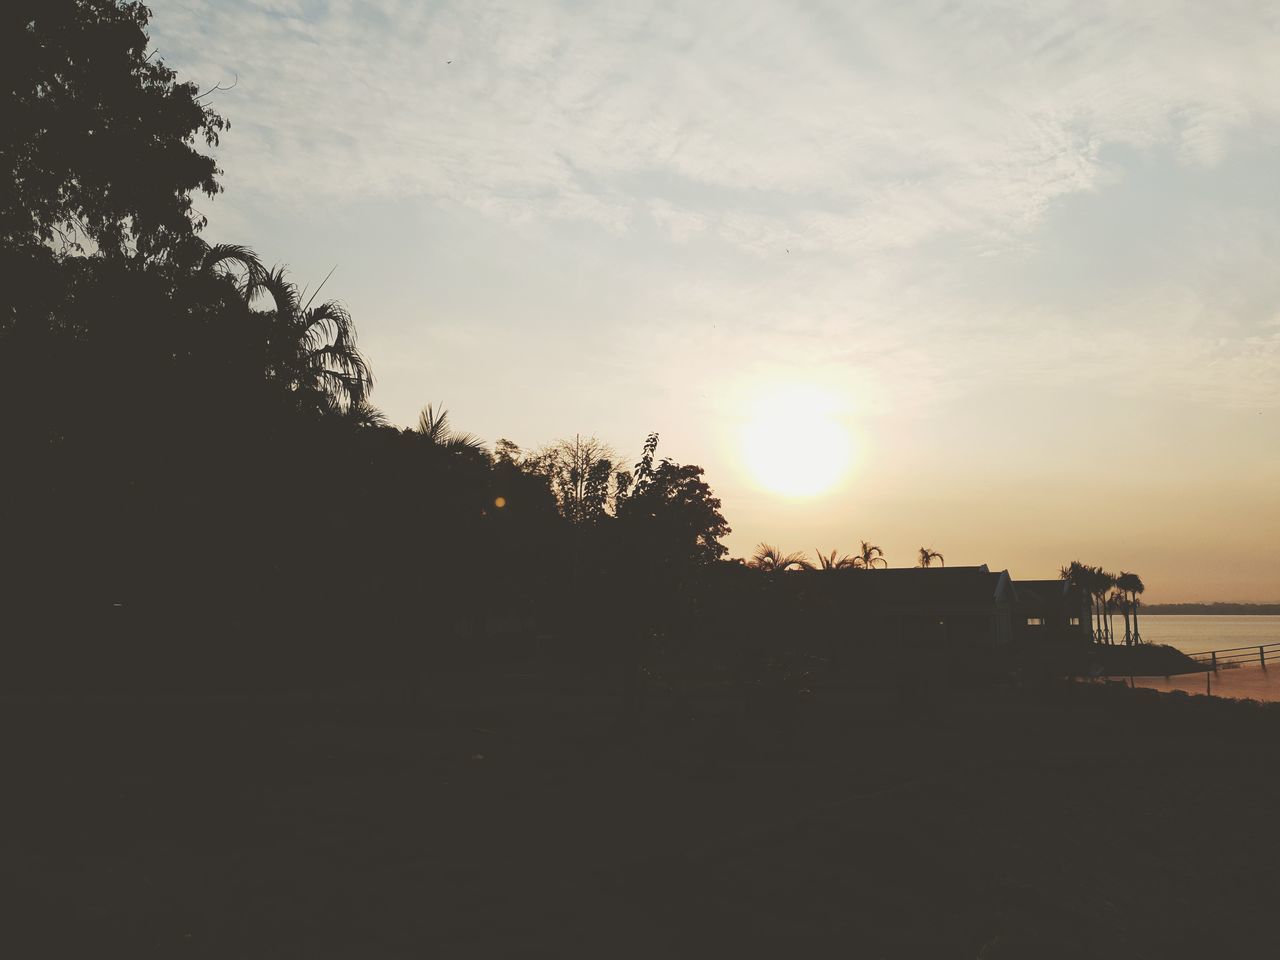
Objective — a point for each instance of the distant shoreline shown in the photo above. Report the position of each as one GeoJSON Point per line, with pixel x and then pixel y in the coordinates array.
{"type": "Point", "coordinates": [1211, 609]}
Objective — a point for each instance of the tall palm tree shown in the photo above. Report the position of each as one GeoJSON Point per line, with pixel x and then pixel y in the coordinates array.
{"type": "Point", "coordinates": [868, 556]}
{"type": "Point", "coordinates": [927, 556]}
{"type": "Point", "coordinates": [1110, 602]}
{"type": "Point", "coordinates": [1120, 601]}
{"type": "Point", "coordinates": [770, 559]}
{"type": "Point", "coordinates": [1102, 584]}
{"type": "Point", "coordinates": [310, 350]}
{"type": "Point", "coordinates": [1133, 586]}
{"type": "Point", "coordinates": [1080, 576]}
{"type": "Point", "coordinates": [832, 561]}
{"type": "Point", "coordinates": [433, 427]}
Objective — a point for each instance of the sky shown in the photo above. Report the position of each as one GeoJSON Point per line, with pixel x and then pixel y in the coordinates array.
{"type": "Point", "coordinates": [999, 278]}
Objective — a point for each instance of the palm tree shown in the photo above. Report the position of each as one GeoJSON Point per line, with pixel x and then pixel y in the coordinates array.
{"type": "Point", "coordinates": [832, 562]}
{"type": "Point", "coordinates": [1110, 603]}
{"type": "Point", "coordinates": [310, 350]}
{"type": "Point", "coordinates": [1132, 585]}
{"type": "Point", "coordinates": [433, 427]}
{"type": "Point", "coordinates": [772, 560]}
{"type": "Point", "coordinates": [868, 556]}
{"type": "Point", "coordinates": [1119, 600]}
{"type": "Point", "coordinates": [1101, 584]}
{"type": "Point", "coordinates": [927, 556]}
{"type": "Point", "coordinates": [1081, 576]}
{"type": "Point", "coordinates": [222, 260]}
{"type": "Point", "coordinates": [362, 414]}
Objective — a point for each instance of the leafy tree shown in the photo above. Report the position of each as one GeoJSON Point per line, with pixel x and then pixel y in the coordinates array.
{"type": "Point", "coordinates": [673, 512]}
{"type": "Point", "coordinates": [582, 475]}
{"type": "Point", "coordinates": [506, 451]}
{"type": "Point", "coordinates": [100, 141]}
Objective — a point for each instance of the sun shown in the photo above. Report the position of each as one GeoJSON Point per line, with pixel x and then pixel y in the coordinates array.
{"type": "Point", "coordinates": [794, 444]}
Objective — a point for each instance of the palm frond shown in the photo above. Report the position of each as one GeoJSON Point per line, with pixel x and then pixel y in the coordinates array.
{"type": "Point", "coordinates": [219, 258]}
{"type": "Point", "coordinates": [311, 349]}
{"type": "Point", "coordinates": [433, 426]}
{"type": "Point", "coordinates": [833, 561]}
{"type": "Point", "coordinates": [281, 291]}
{"type": "Point", "coordinates": [770, 559]}
{"type": "Point", "coordinates": [311, 300]}
{"type": "Point", "coordinates": [928, 555]}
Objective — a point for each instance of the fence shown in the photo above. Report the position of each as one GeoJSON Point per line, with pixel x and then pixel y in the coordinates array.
{"type": "Point", "coordinates": [1238, 656]}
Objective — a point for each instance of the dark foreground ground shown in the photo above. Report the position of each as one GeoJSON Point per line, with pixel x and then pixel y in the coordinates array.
{"type": "Point", "coordinates": [514, 819]}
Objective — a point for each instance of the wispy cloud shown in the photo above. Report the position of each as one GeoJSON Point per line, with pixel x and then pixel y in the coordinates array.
{"type": "Point", "coordinates": [905, 120]}
{"type": "Point", "coordinates": [892, 147]}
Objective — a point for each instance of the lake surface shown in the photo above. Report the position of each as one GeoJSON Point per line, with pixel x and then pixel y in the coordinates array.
{"type": "Point", "coordinates": [1198, 634]}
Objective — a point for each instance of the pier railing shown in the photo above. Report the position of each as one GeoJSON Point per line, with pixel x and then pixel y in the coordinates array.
{"type": "Point", "coordinates": [1255, 655]}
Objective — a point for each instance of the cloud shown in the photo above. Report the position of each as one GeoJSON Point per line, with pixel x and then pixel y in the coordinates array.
{"type": "Point", "coordinates": [909, 158]}
{"type": "Point", "coordinates": [906, 120]}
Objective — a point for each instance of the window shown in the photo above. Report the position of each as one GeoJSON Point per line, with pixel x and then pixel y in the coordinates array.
{"type": "Point", "coordinates": [1034, 622]}
{"type": "Point", "coordinates": [1075, 621]}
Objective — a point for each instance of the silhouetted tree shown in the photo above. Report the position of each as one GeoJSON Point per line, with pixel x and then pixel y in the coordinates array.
{"type": "Point", "coordinates": [670, 508]}
{"type": "Point", "coordinates": [1132, 586]}
{"type": "Point", "coordinates": [868, 556]}
{"type": "Point", "coordinates": [833, 561]}
{"type": "Point", "coordinates": [927, 556]}
{"type": "Point", "coordinates": [769, 559]}
{"type": "Point", "coordinates": [1119, 600]}
{"type": "Point", "coordinates": [433, 427]}
{"type": "Point", "coordinates": [99, 142]}
{"type": "Point", "coordinates": [1079, 577]}
{"type": "Point", "coordinates": [1103, 583]}
{"type": "Point", "coordinates": [310, 350]}
{"type": "Point", "coordinates": [1094, 583]}
{"type": "Point", "coordinates": [506, 451]}
{"type": "Point", "coordinates": [582, 476]}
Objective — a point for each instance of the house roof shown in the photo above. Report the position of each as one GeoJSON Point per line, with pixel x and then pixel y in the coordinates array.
{"type": "Point", "coordinates": [1040, 591]}
{"type": "Point", "coordinates": [912, 589]}
{"type": "Point", "coordinates": [1042, 594]}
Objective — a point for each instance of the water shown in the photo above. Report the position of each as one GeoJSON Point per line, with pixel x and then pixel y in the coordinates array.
{"type": "Point", "coordinates": [1198, 634]}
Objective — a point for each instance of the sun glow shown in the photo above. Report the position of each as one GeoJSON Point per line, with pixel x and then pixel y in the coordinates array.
{"type": "Point", "coordinates": [794, 443]}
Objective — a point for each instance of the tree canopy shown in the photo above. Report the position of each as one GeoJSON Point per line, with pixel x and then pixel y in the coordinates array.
{"type": "Point", "coordinates": [101, 142]}
{"type": "Point", "coordinates": [195, 433]}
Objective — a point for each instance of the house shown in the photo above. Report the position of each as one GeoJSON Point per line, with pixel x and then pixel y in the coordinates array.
{"type": "Point", "coordinates": [1049, 610]}
{"type": "Point", "coordinates": [966, 605]}
{"type": "Point", "coordinates": [963, 605]}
